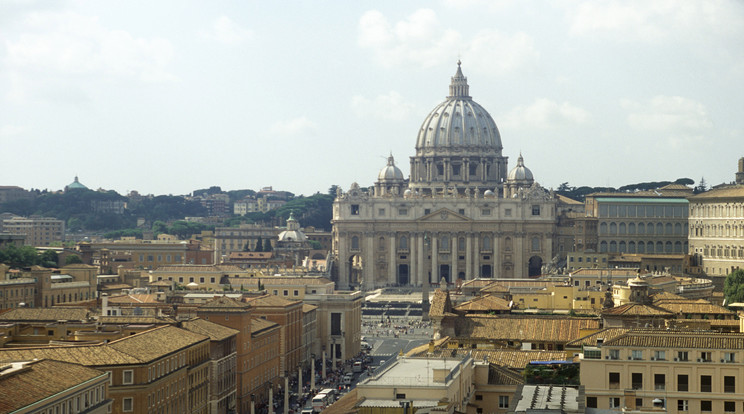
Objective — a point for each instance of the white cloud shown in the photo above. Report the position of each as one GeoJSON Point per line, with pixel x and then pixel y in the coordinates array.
{"type": "Point", "coordinates": [225, 30]}
{"type": "Point", "coordinates": [390, 106]}
{"type": "Point", "coordinates": [667, 113]}
{"type": "Point", "coordinates": [296, 126]}
{"type": "Point", "coordinates": [680, 120]}
{"type": "Point", "coordinates": [655, 20]}
{"type": "Point", "coordinates": [420, 39]}
{"type": "Point", "coordinates": [11, 131]}
{"type": "Point", "coordinates": [544, 113]}
{"type": "Point", "coordinates": [63, 51]}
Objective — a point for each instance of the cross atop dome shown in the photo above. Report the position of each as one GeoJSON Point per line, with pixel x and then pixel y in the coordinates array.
{"type": "Point", "coordinates": [459, 85]}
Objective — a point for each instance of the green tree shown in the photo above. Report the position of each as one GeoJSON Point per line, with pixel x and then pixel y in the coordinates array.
{"type": "Point", "coordinates": [73, 259]}
{"type": "Point", "coordinates": [267, 246]}
{"type": "Point", "coordinates": [49, 259]}
{"type": "Point", "coordinates": [259, 245]}
{"type": "Point", "coordinates": [247, 247]}
{"type": "Point", "coordinates": [733, 287]}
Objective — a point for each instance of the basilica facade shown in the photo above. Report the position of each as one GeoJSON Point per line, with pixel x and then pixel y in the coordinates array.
{"type": "Point", "coordinates": [461, 214]}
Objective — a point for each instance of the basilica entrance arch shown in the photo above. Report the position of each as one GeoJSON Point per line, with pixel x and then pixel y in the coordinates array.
{"type": "Point", "coordinates": [535, 266]}
{"type": "Point", "coordinates": [403, 275]}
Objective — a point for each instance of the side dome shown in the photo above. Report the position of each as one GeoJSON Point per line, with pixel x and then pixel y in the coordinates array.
{"type": "Point", "coordinates": [520, 172]}
{"type": "Point", "coordinates": [390, 172]}
{"type": "Point", "coordinates": [459, 124]}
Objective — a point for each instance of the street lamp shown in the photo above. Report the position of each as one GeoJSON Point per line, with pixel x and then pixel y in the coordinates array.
{"type": "Point", "coordinates": [253, 403]}
{"type": "Point", "coordinates": [271, 397]}
{"type": "Point", "coordinates": [286, 392]}
{"type": "Point", "coordinates": [299, 380]}
{"type": "Point", "coordinates": [324, 362]}
{"type": "Point", "coordinates": [312, 373]}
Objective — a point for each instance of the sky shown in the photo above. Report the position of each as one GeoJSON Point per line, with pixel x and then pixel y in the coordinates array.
{"type": "Point", "coordinates": [166, 97]}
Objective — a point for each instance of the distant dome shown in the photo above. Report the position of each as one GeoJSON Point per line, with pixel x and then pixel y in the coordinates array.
{"type": "Point", "coordinates": [390, 172]}
{"type": "Point", "coordinates": [459, 124]}
{"type": "Point", "coordinates": [488, 193]}
{"type": "Point", "coordinates": [293, 232]}
{"type": "Point", "coordinates": [75, 185]}
{"type": "Point", "coordinates": [520, 172]}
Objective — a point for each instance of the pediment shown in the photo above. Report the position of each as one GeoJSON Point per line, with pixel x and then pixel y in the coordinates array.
{"type": "Point", "coordinates": [444, 215]}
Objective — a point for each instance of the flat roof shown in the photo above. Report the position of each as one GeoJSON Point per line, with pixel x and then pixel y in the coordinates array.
{"type": "Point", "coordinates": [642, 200]}
{"type": "Point", "coordinates": [414, 372]}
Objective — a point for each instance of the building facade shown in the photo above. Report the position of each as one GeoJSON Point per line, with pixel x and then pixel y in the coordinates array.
{"type": "Point", "coordinates": [717, 230]}
{"type": "Point", "coordinates": [39, 231]}
{"type": "Point", "coordinates": [459, 215]}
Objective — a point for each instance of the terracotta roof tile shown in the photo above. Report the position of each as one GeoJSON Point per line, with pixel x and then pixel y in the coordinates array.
{"type": "Point", "coordinates": [40, 380]}
{"type": "Point", "coordinates": [637, 309]}
{"type": "Point", "coordinates": [258, 325]}
{"type": "Point", "coordinates": [45, 314]}
{"type": "Point", "coordinates": [591, 339]}
{"type": "Point", "coordinates": [524, 328]}
{"type": "Point", "coordinates": [653, 338]}
{"type": "Point", "coordinates": [214, 331]}
{"type": "Point", "coordinates": [484, 304]}
{"type": "Point", "coordinates": [509, 358]}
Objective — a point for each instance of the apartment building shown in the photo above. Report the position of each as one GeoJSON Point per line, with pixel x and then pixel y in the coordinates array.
{"type": "Point", "coordinates": [288, 315]}
{"type": "Point", "coordinates": [681, 371]}
{"type": "Point", "coordinates": [164, 368]}
{"type": "Point", "coordinates": [39, 231]}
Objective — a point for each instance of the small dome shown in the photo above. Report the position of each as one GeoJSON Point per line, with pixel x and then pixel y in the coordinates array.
{"type": "Point", "coordinates": [293, 232]}
{"type": "Point", "coordinates": [520, 172]}
{"type": "Point", "coordinates": [407, 193]}
{"type": "Point", "coordinates": [488, 193]}
{"type": "Point", "coordinates": [76, 185]}
{"type": "Point", "coordinates": [390, 172]}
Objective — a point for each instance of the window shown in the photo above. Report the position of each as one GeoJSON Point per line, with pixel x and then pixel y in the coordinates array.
{"type": "Point", "coordinates": [682, 383]}
{"type": "Point", "coordinates": [478, 397]}
{"type": "Point", "coordinates": [286, 293]}
{"type": "Point", "coordinates": [636, 380]}
{"type": "Point", "coordinates": [507, 212]}
{"type": "Point", "coordinates": [355, 209]}
{"type": "Point", "coordinates": [660, 355]}
{"type": "Point", "coordinates": [127, 376]}
{"type": "Point", "coordinates": [402, 211]}
{"type": "Point", "coordinates": [486, 212]}
{"type": "Point", "coordinates": [614, 380]}
{"type": "Point", "coordinates": [683, 405]}
{"type": "Point", "coordinates": [729, 406]}
{"type": "Point", "coordinates": [355, 243]}
{"type": "Point", "coordinates": [706, 406]}
{"type": "Point", "coordinates": [615, 402]}
{"type": "Point", "coordinates": [535, 244]}
{"type": "Point", "coordinates": [729, 384]}
{"type": "Point", "coordinates": [381, 212]}
{"type": "Point", "coordinates": [127, 404]}
{"type": "Point", "coordinates": [400, 396]}
{"type": "Point", "coordinates": [729, 357]}
{"type": "Point", "coordinates": [296, 293]}
{"type": "Point", "coordinates": [637, 354]}
{"type": "Point", "coordinates": [614, 354]}
{"type": "Point", "coordinates": [503, 401]}
{"type": "Point", "coordinates": [682, 356]}
{"type": "Point", "coordinates": [639, 402]}
{"type": "Point", "coordinates": [427, 211]}
{"type": "Point", "coordinates": [591, 402]}
{"type": "Point", "coordinates": [706, 383]}
{"type": "Point", "coordinates": [535, 210]}
{"type": "Point", "coordinates": [659, 381]}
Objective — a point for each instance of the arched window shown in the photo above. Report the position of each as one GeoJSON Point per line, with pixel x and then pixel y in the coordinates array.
{"type": "Point", "coordinates": [677, 228]}
{"type": "Point", "coordinates": [622, 247]}
{"type": "Point", "coordinates": [603, 228]}
{"type": "Point", "coordinates": [621, 229]}
{"type": "Point", "coordinates": [535, 244]}
{"type": "Point", "coordinates": [486, 243]}
{"type": "Point", "coordinates": [641, 247]}
{"type": "Point", "coordinates": [508, 244]}
{"type": "Point", "coordinates": [659, 247]}
{"type": "Point", "coordinates": [613, 246]}
{"type": "Point", "coordinates": [668, 228]}
{"type": "Point", "coordinates": [355, 242]}
{"type": "Point", "coordinates": [641, 228]}
{"type": "Point", "coordinates": [668, 247]}
{"type": "Point", "coordinates": [650, 247]}
{"type": "Point", "coordinates": [403, 243]}
{"type": "Point", "coordinates": [631, 228]}
{"type": "Point", "coordinates": [678, 247]}
{"type": "Point", "coordinates": [659, 228]}
{"type": "Point", "coordinates": [631, 247]}
{"type": "Point", "coordinates": [603, 247]}
{"type": "Point", "coordinates": [382, 243]}
{"type": "Point", "coordinates": [613, 228]}
{"type": "Point", "coordinates": [461, 244]}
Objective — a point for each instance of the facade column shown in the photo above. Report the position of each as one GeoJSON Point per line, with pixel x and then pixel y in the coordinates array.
{"type": "Point", "coordinates": [412, 251]}
{"type": "Point", "coordinates": [476, 255]}
{"type": "Point", "coordinates": [392, 267]}
{"type": "Point", "coordinates": [453, 251]}
{"type": "Point", "coordinates": [496, 253]}
{"type": "Point", "coordinates": [368, 266]}
{"type": "Point", "coordinates": [420, 259]}
{"type": "Point", "coordinates": [344, 269]}
{"type": "Point", "coordinates": [519, 264]}
{"type": "Point", "coordinates": [469, 256]}
{"type": "Point", "coordinates": [434, 259]}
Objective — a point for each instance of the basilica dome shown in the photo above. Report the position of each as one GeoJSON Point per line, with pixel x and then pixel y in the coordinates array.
{"type": "Point", "coordinates": [520, 172]}
{"type": "Point", "coordinates": [390, 172]}
{"type": "Point", "coordinates": [459, 124]}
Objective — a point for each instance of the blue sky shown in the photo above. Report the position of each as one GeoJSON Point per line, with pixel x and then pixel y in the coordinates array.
{"type": "Point", "coordinates": [166, 97]}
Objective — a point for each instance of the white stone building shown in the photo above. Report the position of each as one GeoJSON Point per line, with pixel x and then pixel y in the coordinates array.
{"type": "Point", "coordinates": [458, 216]}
